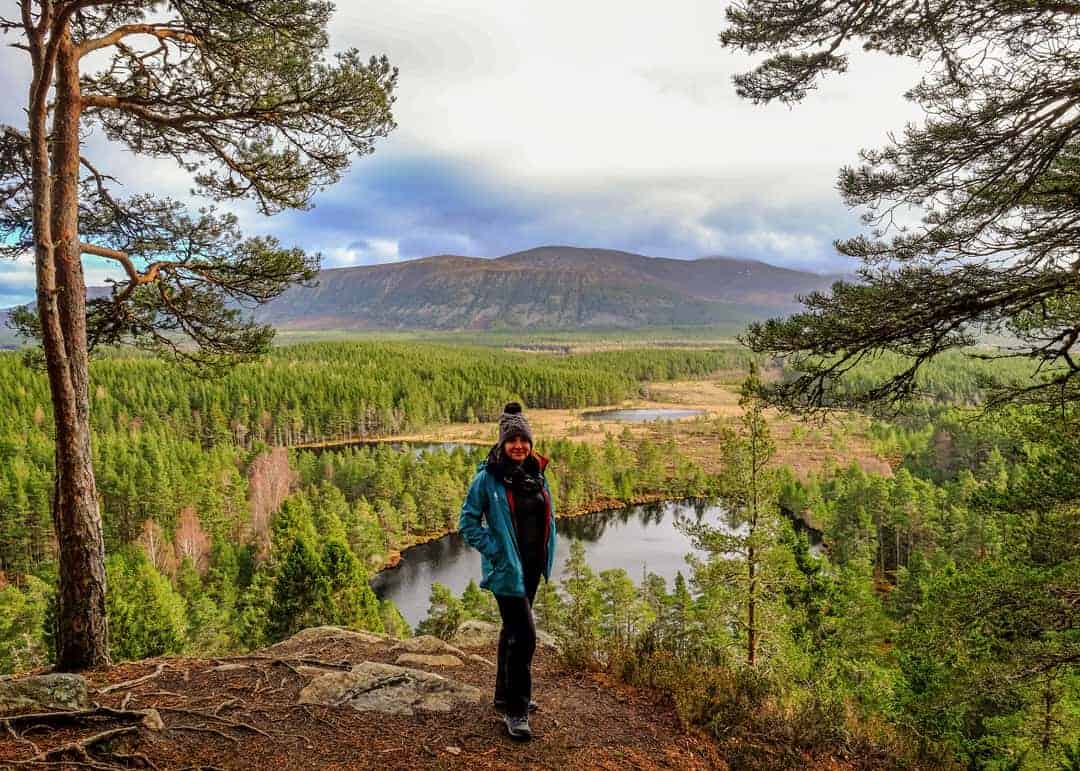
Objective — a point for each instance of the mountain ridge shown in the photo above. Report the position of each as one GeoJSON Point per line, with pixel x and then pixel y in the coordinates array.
{"type": "Point", "coordinates": [549, 286]}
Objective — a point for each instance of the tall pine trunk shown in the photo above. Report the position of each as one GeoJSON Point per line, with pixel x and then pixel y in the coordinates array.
{"type": "Point", "coordinates": [82, 633]}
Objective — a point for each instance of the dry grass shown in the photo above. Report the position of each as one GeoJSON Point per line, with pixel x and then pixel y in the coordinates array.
{"type": "Point", "coordinates": [805, 446]}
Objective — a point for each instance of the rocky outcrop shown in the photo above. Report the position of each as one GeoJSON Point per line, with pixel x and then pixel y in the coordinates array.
{"type": "Point", "coordinates": [475, 634]}
{"type": "Point", "coordinates": [319, 634]}
{"type": "Point", "coordinates": [393, 690]}
{"type": "Point", "coordinates": [43, 693]}
{"type": "Point", "coordinates": [480, 634]}
{"type": "Point", "coordinates": [428, 645]}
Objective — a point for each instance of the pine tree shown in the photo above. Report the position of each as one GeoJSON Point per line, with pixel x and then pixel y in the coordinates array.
{"type": "Point", "coordinates": [583, 608]}
{"type": "Point", "coordinates": [550, 608]}
{"type": "Point", "coordinates": [241, 95]}
{"type": "Point", "coordinates": [991, 170]}
{"type": "Point", "coordinates": [748, 569]}
{"type": "Point", "coordinates": [445, 613]}
{"type": "Point", "coordinates": [296, 590]}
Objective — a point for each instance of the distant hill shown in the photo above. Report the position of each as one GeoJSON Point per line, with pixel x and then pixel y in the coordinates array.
{"type": "Point", "coordinates": [548, 287]}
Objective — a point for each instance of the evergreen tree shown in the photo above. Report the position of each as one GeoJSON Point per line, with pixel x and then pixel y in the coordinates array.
{"type": "Point", "coordinates": [742, 582]}
{"type": "Point", "coordinates": [583, 608]}
{"type": "Point", "coordinates": [22, 621]}
{"type": "Point", "coordinates": [550, 608]}
{"type": "Point", "coordinates": [240, 94]}
{"type": "Point", "coordinates": [445, 613]}
{"type": "Point", "coordinates": [149, 617]}
{"type": "Point", "coordinates": [479, 604]}
{"type": "Point", "coordinates": [296, 590]}
{"type": "Point", "coordinates": [991, 170]}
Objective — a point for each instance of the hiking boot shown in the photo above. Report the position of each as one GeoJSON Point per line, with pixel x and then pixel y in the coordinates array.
{"type": "Point", "coordinates": [500, 705]}
{"type": "Point", "coordinates": [518, 727]}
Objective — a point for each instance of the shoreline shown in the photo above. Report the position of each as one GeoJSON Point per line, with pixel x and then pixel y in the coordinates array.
{"type": "Point", "coordinates": [395, 556]}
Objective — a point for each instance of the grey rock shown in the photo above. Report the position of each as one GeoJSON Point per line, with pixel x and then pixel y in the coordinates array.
{"type": "Point", "coordinates": [375, 687]}
{"type": "Point", "coordinates": [480, 634]}
{"type": "Point", "coordinates": [476, 659]}
{"type": "Point", "coordinates": [317, 634]}
{"type": "Point", "coordinates": [427, 645]}
{"type": "Point", "coordinates": [476, 634]}
{"type": "Point", "coordinates": [152, 721]}
{"type": "Point", "coordinates": [44, 693]}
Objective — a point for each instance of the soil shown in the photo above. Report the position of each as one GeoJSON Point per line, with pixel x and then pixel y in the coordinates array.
{"type": "Point", "coordinates": [246, 716]}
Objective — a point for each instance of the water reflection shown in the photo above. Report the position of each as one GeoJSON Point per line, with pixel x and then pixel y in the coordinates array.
{"type": "Point", "coordinates": [641, 414]}
{"type": "Point", "coordinates": [639, 539]}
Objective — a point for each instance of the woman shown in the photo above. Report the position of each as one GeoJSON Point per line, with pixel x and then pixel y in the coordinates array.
{"type": "Point", "coordinates": [510, 495]}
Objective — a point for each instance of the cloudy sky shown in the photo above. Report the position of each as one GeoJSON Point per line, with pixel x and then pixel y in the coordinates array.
{"type": "Point", "coordinates": [599, 123]}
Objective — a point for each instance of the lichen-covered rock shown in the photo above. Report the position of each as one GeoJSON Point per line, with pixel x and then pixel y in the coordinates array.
{"type": "Point", "coordinates": [480, 634]}
{"type": "Point", "coordinates": [428, 660]}
{"type": "Point", "coordinates": [390, 689]}
{"type": "Point", "coordinates": [475, 634]}
{"type": "Point", "coordinates": [44, 693]}
{"type": "Point", "coordinates": [152, 721]}
{"type": "Point", "coordinates": [317, 634]}
{"type": "Point", "coordinates": [427, 645]}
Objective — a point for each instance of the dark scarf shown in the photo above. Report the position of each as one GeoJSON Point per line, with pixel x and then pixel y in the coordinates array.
{"type": "Point", "coordinates": [524, 477]}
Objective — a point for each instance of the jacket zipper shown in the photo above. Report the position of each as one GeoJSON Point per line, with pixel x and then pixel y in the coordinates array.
{"type": "Point", "coordinates": [513, 524]}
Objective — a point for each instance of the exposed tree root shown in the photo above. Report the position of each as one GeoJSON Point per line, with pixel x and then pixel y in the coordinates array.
{"type": "Point", "coordinates": [77, 715]}
{"type": "Point", "coordinates": [21, 739]}
{"type": "Point", "coordinates": [288, 661]}
{"type": "Point", "coordinates": [139, 758]}
{"type": "Point", "coordinates": [76, 754]}
{"type": "Point", "coordinates": [132, 683]}
{"type": "Point", "coordinates": [81, 747]}
{"type": "Point", "coordinates": [218, 718]}
{"type": "Point", "coordinates": [204, 729]}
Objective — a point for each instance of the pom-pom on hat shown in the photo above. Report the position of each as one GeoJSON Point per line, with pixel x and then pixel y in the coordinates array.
{"type": "Point", "coordinates": [513, 423]}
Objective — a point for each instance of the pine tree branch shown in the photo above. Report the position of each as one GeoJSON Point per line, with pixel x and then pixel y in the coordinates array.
{"type": "Point", "coordinates": [161, 32]}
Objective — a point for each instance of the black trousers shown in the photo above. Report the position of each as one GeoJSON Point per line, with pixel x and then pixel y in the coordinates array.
{"type": "Point", "coordinates": [517, 644]}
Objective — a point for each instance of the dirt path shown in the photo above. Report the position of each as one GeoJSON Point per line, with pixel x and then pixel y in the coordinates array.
{"type": "Point", "coordinates": [243, 714]}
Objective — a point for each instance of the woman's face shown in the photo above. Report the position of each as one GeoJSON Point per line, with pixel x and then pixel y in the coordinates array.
{"type": "Point", "coordinates": [517, 448]}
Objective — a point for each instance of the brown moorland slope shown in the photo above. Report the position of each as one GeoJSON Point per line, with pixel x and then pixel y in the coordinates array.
{"type": "Point", "coordinates": [552, 287]}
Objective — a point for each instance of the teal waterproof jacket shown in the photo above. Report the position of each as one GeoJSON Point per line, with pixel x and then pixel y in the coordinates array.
{"type": "Point", "coordinates": [487, 524]}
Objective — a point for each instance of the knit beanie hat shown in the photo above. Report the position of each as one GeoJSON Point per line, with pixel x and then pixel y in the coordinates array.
{"type": "Point", "coordinates": [512, 423]}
